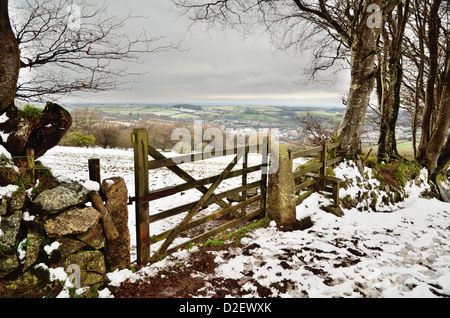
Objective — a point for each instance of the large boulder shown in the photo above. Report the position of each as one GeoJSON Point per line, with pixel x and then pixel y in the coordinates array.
{"type": "Point", "coordinates": [281, 205]}
{"type": "Point", "coordinates": [71, 222]}
{"type": "Point", "coordinates": [40, 133]}
{"type": "Point", "coordinates": [118, 250]}
{"type": "Point", "coordinates": [62, 197]}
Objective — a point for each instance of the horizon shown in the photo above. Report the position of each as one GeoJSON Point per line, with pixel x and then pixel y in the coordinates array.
{"type": "Point", "coordinates": [202, 104]}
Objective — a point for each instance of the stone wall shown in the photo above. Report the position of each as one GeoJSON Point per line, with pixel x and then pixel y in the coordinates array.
{"type": "Point", "coordinates": [66, 227]}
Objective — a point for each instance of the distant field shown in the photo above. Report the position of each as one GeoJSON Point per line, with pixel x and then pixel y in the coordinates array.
{"type": "Point", "coordinates": [240, 114]}
{"type": "Point", "coordinates": [404, 148]}
{"type": "Point", "coordinates": [185, 116]}
{"type": "Point", "coordinates": [259, 117]}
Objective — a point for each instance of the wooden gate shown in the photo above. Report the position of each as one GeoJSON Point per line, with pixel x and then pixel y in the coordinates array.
{"type": "Point", "coordinates": [316, 173]}
{"type": "Point", "coordinates": [142, 166]}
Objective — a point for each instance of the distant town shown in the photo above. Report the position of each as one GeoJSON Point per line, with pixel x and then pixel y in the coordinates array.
{"type": "Point", "coordinates": [237, 118]}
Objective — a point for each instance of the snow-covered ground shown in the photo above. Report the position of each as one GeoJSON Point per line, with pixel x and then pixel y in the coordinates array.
{"type": "Point", "coordinates": [405, 253]}
{"type": "Point", "coordinates": [71, 164]}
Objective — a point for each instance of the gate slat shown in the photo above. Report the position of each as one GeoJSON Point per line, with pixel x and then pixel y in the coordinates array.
{"type": "Point", "coordinates": [161, 236]}
{"type": "Point", "coordinates": [186, 207]}
{"type": "Point", "coordinates": [197, 207]}
{"type": "Point", "coordinates": [182, 174]}
{"type": "Point", "coordinates": [164, 192]}
{"type": "Point", "coordinates": [217, 230]}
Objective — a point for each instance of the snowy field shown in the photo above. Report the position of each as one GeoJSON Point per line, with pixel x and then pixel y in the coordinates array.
{"type": "Point", "coordinates": [404, 253]}
{"type": "Point", "coordinates": [71, 164]}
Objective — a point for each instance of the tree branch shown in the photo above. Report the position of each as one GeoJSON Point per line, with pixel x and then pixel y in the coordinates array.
{"type": "Point", "coordinates": [83, 53]}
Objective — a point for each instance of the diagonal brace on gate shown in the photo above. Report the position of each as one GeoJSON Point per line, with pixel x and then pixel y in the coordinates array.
{"type": "Point", "coordinates": [178, 229]}
{"type": "Point", "coordinates": [182, 174]}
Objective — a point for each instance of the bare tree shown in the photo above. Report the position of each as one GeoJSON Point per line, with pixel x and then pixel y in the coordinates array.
{"type": "Point", "coordinates": [351, 27]}
{"type": "Point", "coordinates": [106, 134]}
{"type": "Point", "coordinates": [318, 130]}
{"type": "Point", "coordinates": [71, 46]}
{"type": "Point", "coordinates": [59, 48]}
{"type": "Point", "coordinates": [85, 119]}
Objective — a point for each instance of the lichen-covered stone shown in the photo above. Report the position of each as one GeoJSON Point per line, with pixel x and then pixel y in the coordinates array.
{"type": "Point", "coordinates": [71, 222]}
{"type": "Point", "coordinates": [67, 247]}
{"type": "Point", "coordinates": [281, 205]}
{"type": "Point", "coordinates": [34, 243]}
{"type": "Point", "coordinates": [34, 283]}
{"type": "Point", "coordinates": [41, 133]}
{"type": "Point", "coordinates": [8, 263]}
{"type": "Point", "coordinates": [118, 250]}
{"type": "Point", "coordinates": [92, 266]}
{"type": "Point", "coordinates": [3, 207]}
{"type": "Point", "coordinates": [17, 200]}
{"type": "Point", "coordinates": [9, 228]}
{"type": "Point", "coordinates": [94, 237]}
{"type": "Point", "coordinates": [62, 197]}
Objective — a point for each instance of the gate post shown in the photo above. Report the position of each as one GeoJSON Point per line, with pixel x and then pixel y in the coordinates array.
{"type": "Point", "coordinates": [94, 170]}
{"type": "Point", "coordinates": [264, 173]}
{"type": "Point", "coordinates": [140, 144]}
{"type": "Point", "coordinates": [324, 159]}
{"type": "Point", "coordinates": [244, 178]}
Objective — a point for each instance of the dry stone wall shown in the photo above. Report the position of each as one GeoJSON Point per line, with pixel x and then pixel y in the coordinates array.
{"type": "Point", "coordinates": [62, 228]}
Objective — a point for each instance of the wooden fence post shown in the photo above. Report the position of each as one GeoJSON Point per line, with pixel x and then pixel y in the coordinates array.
{"type": "Point", "coordinates": [140, 144]}
{"type": "Point", "coordinates": [264, 173]}
{"type": "Point", "coordinates": [324, 158]}
{"type": "Point", "coordinates": [31, 165]}
{"type": "Point", "coordinates": [244, 179]}
{"type": "Point", "coordinates": [94, 170]}
{"type": "Point", "coordinates": [291, 159]}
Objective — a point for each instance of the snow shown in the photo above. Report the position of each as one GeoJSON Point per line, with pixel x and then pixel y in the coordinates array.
{"type": "Point", "coordinates": [403, 253]}
{"type": "Point", "coordinates": [21, 250]}
{"type": "Point", "coordinates": [50, 248]}
{"type": "Point", "coordinates": [8, 190]}
{"type": "Point", "coordinates": [3, 119]}
{"type": "Point", "coordinates": [91, 185]}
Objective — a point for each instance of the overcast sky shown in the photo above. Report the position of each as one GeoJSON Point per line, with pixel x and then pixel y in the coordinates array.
{"type": "Point", "coordinates": [215, 66]}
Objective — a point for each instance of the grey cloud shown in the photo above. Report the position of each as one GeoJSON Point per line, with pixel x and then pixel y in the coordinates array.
{"type": "Point", "coordinates": [214, 65]}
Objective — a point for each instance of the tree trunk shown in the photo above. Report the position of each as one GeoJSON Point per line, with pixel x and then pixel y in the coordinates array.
{"type": "Point", "coordinates": [419, 87]}
{"type": "Point", "coordinates": [9, 60]}
{"type": "Point", "coordinates": [433, 47]}
{"type": "Point", "coordinates": [363, 74]}
{"type": "Point", "coordinates": [443, 160]}
{"type": "Point", "coordinates": [439, 133]}
{"type": "Point", "coordinates": [387, 145]}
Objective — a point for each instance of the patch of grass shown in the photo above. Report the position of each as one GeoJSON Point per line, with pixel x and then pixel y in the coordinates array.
{"type": "Point", "coordinates": [394, 173]}
{"type": "Point", "coordinates": [237, 235]}
{"type": "Point", "coordinates": [305, 223]}
{"type": "Point", "coordinates": [31, 112]}
{"type": "Point", "coordinates": [91, 292]}
{"type": "Point", "coordinates": [215, 242]}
